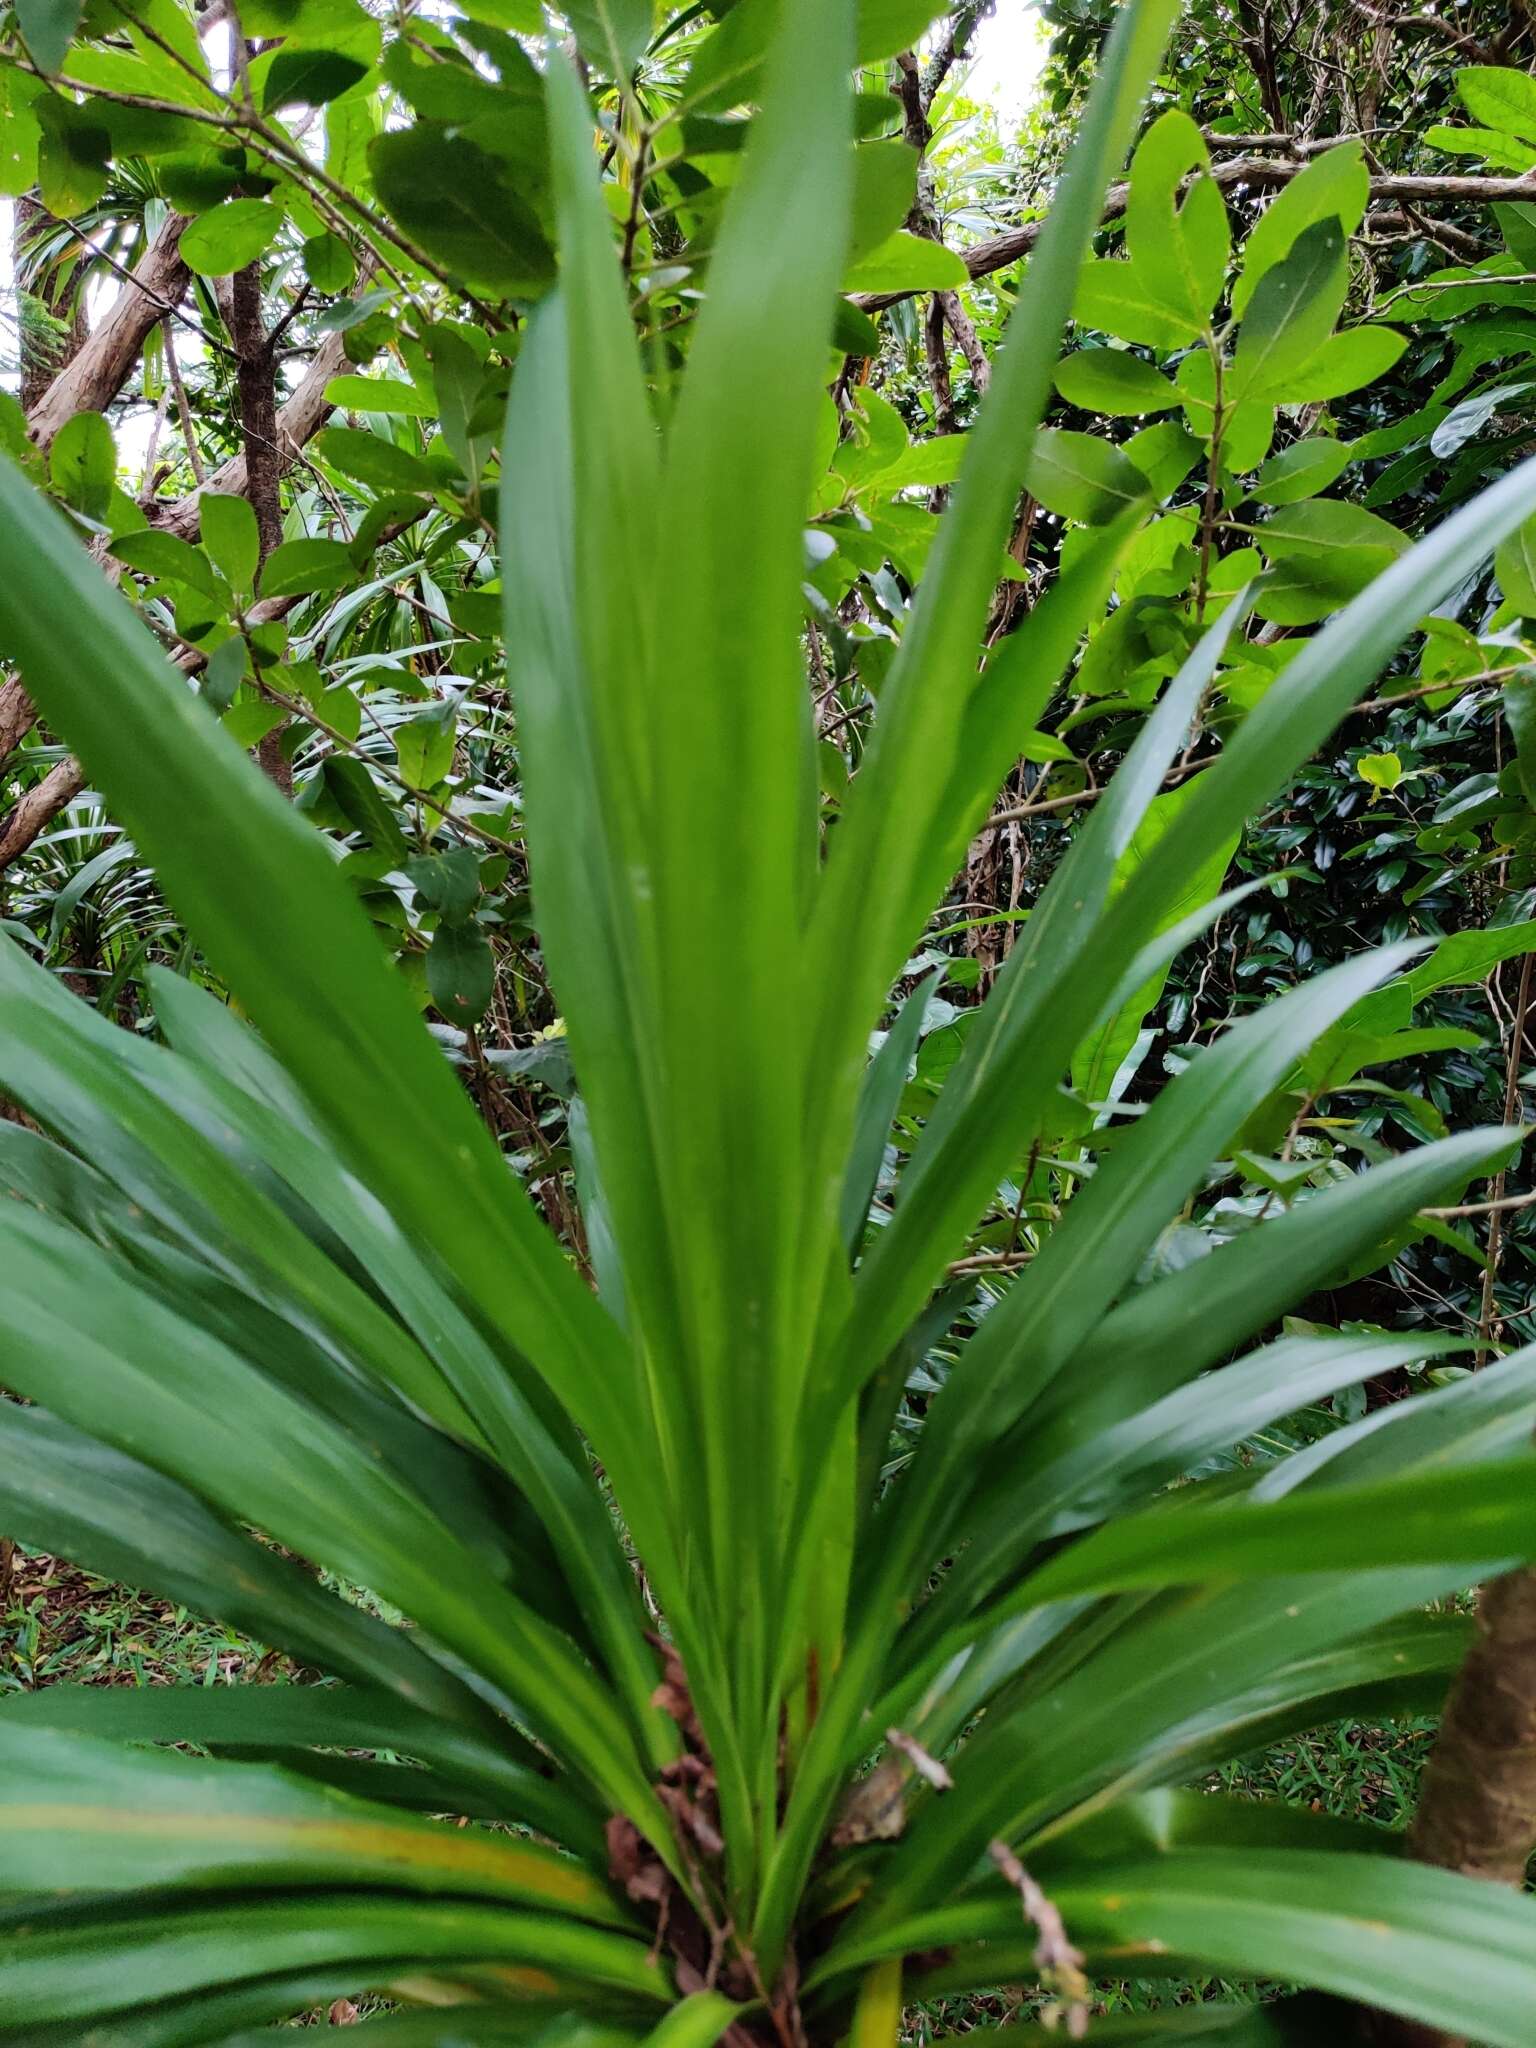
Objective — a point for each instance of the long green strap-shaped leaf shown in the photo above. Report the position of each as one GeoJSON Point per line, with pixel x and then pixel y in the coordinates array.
{"type": "Point", "coordinates": [1326, 676]}
{"type": "Point", "coordinates": [60, 1060]}
{"type": "Point", "coordinates": [194, 1021]}
{"type": "Point", "coordinates": [258, 889]}
{"type": "Point", "coordinates": [1151, 1446]}
{"type": "Point", "coordinates": [478, 2026]}
{"type": "Point", "coordinates": [1430, 1944]}
{"type": "Point", "coordinates": [730, 825]}
{"type": "Point", "coordinates": [64, 1491]}
{"type": "Point", "coordinates": [1329, 672]}
{"type": "Point", "coordinates": [63, 1965]}
{"type": "Point", "coordinates": [161, 1389]}
{"type": "Point", "coordinates": [1013, 692]}
{"type": "Point", "coordinates": [1140, 1699]}
{"type": "Point", "coordinates": [1477, 1516]}
{"type": "Point", "coordinates": [859, 937]}
{"type": "Point", "coordinates": [1089, 1258]}
{"type": "Point", "coordinates": [1166, 1822]}
{"type": "Point", "coordinates": [1485, 1415]}
{"type": "Point", "coordinates": [884, 1080]}
{"type": "Point", "coordinates": [697, 2023]}
{"type": "Point", "coordinates": [579, 483]}
{"type": "Point", "coordinates": [469, 2026]}
{"type": "Point", "coordinates": [1337, 664]}
{"type": "Point", "coordinates": [1401, 1667]}
{"type": "Point", "coordinates": [580, 477]}
{"type": "Point", "coordinates": [526, 1431]}
{"type": "Point", "coordinates": [1049, 994]}
{"type": "Point", "coordinates": [1133, 1698]}
{"type": "Point", "coordinates": [209, 2017]}
{"type": "Point", "coordinates": [506, 1778]}
{"type": "Point", "coordinates": [1004, 1080]}
{"type": "Point", "coordinates": [1161, 1335]}
{"type": "Point", "coordinates": [80, 1814]}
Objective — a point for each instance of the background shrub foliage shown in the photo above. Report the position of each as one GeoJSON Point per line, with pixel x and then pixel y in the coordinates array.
{"type": "Point", "coordinates": [846, 1412]}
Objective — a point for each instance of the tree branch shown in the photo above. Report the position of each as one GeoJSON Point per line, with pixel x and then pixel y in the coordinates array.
{"type": "Point", "coordinates": [298, 420]}
{"type": "Point", "coordinates": [1258, 172]}
{"type": "Point", "coordinates": [95, 376]}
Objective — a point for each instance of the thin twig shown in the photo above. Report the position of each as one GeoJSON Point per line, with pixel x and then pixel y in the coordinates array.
{"type": "Point", "coordinates": [183, 409]}
{"type": "Point", "coordinates": [1501, 1206]}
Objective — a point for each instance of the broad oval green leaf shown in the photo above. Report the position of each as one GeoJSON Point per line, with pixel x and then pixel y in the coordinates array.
{"type": "Point", "coordinates": [1112, 381]}
{"type": "Point", "coordinates": [1082, 477]}
{"type": "Point", "coordinates": [228, 237]}
{"type": "Point", "coordinates": [299, 567]}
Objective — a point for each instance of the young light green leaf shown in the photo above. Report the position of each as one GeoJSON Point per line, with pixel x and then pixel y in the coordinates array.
{"type": "Point", "coordinates": [1291, 314]}
{"type": "Point", "coordinates": [1302, 470]}
{"type": "Point", "coordinates": [228, 528]}
{"type": "Point", "coordinates": [1334, 186]}
{"type": "Point", "coordinates": [1501, 97]}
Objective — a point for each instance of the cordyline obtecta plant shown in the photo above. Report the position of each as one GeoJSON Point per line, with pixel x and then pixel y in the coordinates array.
{"type": "Point", "coordinates": [743, 1740]}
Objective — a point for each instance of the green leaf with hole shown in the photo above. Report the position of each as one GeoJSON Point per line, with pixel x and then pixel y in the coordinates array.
{"type": "Point", "coordinates": [611, 34]}
{"type": "Point", "coordinates": [357, 796]}
{"type": "Point", "coordinates": [225, 673]}
{"type": "Point", "coordinates": [1500, 97]}
{"type": "Point", "coordinates": [1176, 221]}
{"type": "Point", "coordinates": [329, 263]}
{"type": "Point", "coordinates": [380, 394]}
{"type": "Point", "coordinates": [1334, 186]}
{"type": "Point", "coordinates": [448, 883]}
{"type": "Point", "coordinates": [907, 263]}
{"type": "Point", "coordinates": [1514, 563]}
{"type": "Point", "coordinates": [1291, 314]}
{"type": "Point", "coordinates": [370, 459]}
{"type": "Point", "coordinates": [1519, 696]}
{"type": "Point", "coordinates": [1323, 553]}
{"type": "Point", "coordinates": [1302, 470]}
{"type": "Point", "coordinates": [1345, 362]}
{"type": "Point", "coordinates": [461, 973]}
{"type": "Point", "coordinates": [424, 746]}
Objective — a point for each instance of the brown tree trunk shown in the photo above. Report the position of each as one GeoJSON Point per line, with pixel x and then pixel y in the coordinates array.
{"type": "Point", "coordinates": [107, 355]}
{"type": "Point", "coordinates": [42, 361]}
{"type": "Point", "coordinates": [90, 383]}
{"type": "Point", "coordinates": [94, 370]}
{"type": "Point", "coordinates": [257, 381]}
{"type": "Point", "coordinates": [1477, 1808]}
{"type": "Point", "coordinates": [299, 419]}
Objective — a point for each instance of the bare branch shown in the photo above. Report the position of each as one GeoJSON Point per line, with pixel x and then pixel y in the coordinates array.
{"type": "Point", "coordinates": [1257, 172]}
